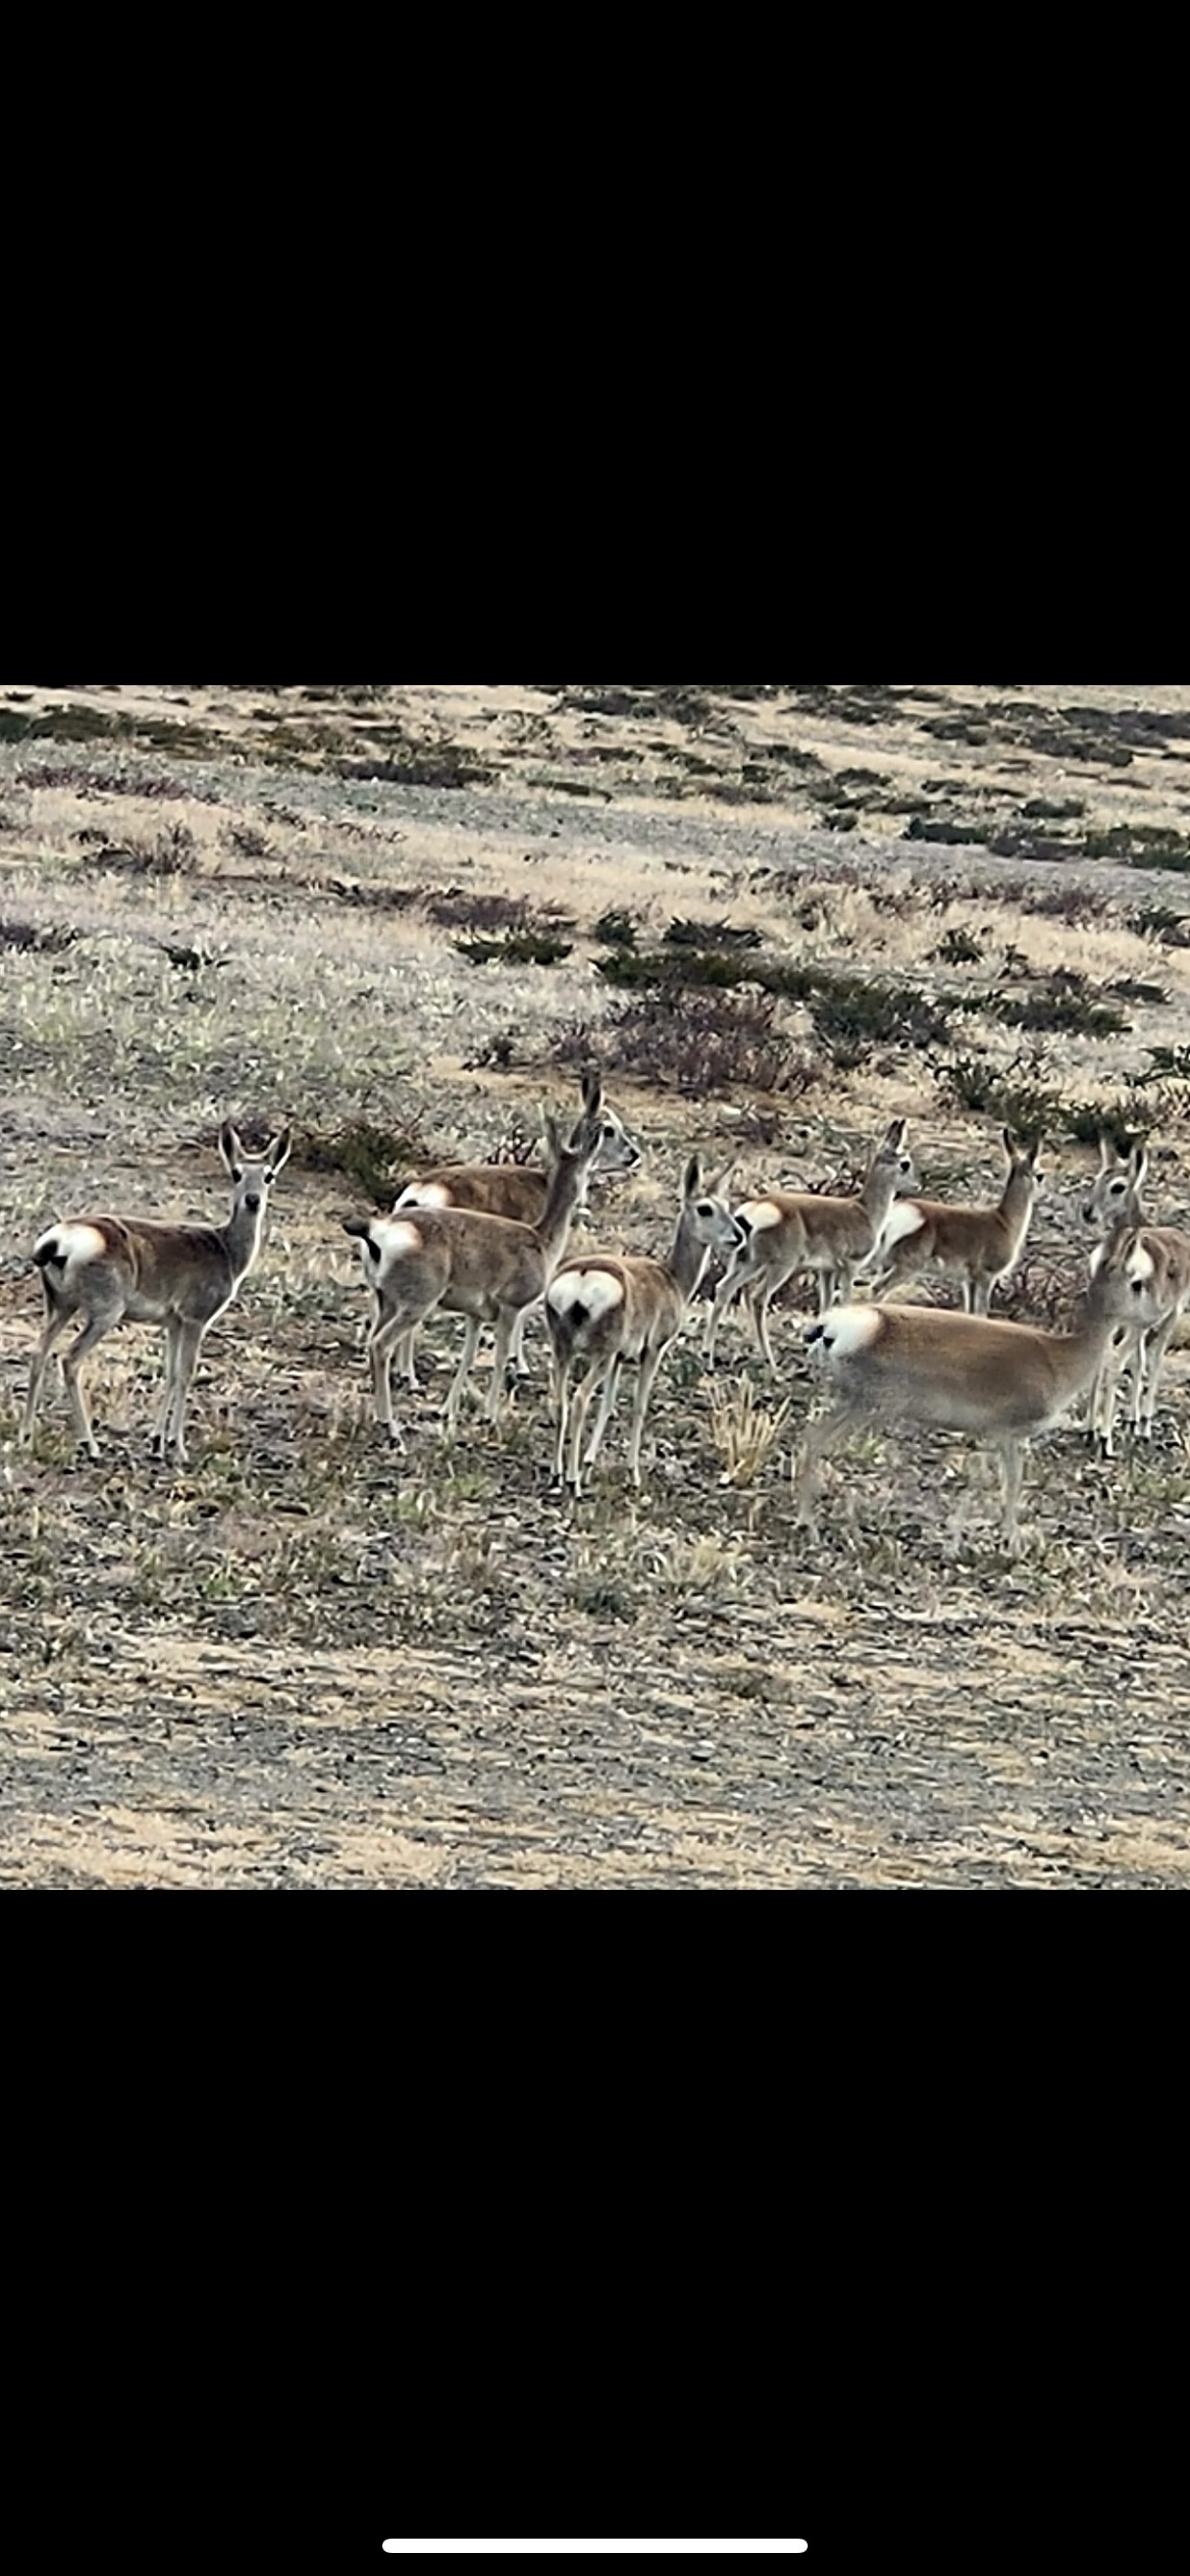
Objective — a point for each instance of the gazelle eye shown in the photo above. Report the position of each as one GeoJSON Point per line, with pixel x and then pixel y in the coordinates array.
{"type": "Point", "coordinates": [236, 1174]}
{"type": "Point", "coordinates": [706, 1209]}
{"type": "Point", "coordinates": [1137, 1285]}
{"type": "Point", "coordinates": [1117, 1188]}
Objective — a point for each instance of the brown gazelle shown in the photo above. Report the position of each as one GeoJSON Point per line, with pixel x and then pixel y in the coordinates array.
{"type": "Point", "coordinates": [976, 1246]}
{"type": "Point", "coordinates": [1116, 1201]}
{"type": "Point", "coordinates": [112, 1270]}
{"type": "Point", "coordinates": [790, 1231]}
{"type": "Point", "coordinates": [511, 1190]}
{"type": "Point", "coordinates": [606, 1308]}
{"type": "Point", "coordinates": [456, 1261]}
{"type": "Point", "coordinates": [951, 1372]}
{"type": "Point", "coordinates": [1151, 1268]}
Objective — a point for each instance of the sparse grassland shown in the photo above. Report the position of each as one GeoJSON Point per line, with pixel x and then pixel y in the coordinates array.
{"type": "Point", "coordinates": [402, 918]}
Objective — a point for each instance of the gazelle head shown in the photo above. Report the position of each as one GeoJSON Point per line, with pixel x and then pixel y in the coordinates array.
{"type": "Point", "coordinates": [1124, 1281]}
{"type": "Point", "coordinates": [1116, 1193]}
{"type": "Point", "coordinates": [616, 1150]}
{"type": "Point", "coordinates": [252, 1175]}
{"type": "Point", "coordinates": [1024, 1165]}
{"type": "Point", "coordinates": [706, 1212]}
{"type": "Point", "coordinates": [890, 1156]}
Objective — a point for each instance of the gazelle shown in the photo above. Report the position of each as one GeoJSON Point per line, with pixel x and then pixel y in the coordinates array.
{"type": "Point", "coordinates": [1153, 1261]}
{"type": "Point", "coordinates": [977, 1245]}
{"type": "Point", "coordinates": [459, 1262]}
{"type": "Point", "coordinates": [510, 1190]}
{"type": "Point", "coordinates": [1116, 1200]}
{"type": "Point", "coordinates": [607, 1309]}
{"type": "Point", "coordinates": [113, 1270]}
{"type": "Point", "coordinates": [952, 1372]}
{"type": "Point", "coordinates": [791, 1231]}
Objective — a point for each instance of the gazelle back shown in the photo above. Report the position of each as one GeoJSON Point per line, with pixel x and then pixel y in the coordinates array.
{"type": "Point", "coordinates": [976, 1246]}
{"type": "Point", "coordinates": [460, 1262]}
{"type": "Point", "coordinates": [790, 1231]}
{"type": "Point", "coordinates": [607, 1308]}
{"type": "Point", "coordinates": [931, 1366]}
{"type": "Point", "coordinates": [112, 1270]}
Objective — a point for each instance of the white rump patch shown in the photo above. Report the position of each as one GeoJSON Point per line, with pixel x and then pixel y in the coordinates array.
{"type": "Point", "coordinates": [760, 1214]}
{"type": "Point", "coordinates": [1142, 1265]}
{"type": "Point", "coordinates": [75, 1243]}
{"type": "Point", "coordinates": [426, 1194]}
{"type": "Point", "coordinates": [396, 1242]}
{"type": "Point", "coordinates": [851, 1329]}
{"type": "Point", "coordinates": [903, 1220]}
{"type": "Point", "coordinates": [1097, 1260]}
{"type": "Point", "coordinates": [595, 1290]}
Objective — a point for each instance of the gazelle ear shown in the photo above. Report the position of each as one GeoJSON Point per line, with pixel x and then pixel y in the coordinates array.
{"type": "Point", "coordinates": [555, 1143]}
{"type": "Point", "coordinates": [718, 1188]}
{"type": "Point", "coordinates": [1107, 1153]}
{"type": "Point", "coordinates": [1034, 1152]}
{"type": "Point", "coordinates": [230, 1146]}
{"type": "Point", "coordinates": [895, 1137]}
{"type": "Point", "coordinates": [1138, 1164]}
{"type": "Point", "coordinates": [279, 1151]}
{"type": "Point", "coordinates": [1010, 1144]}
{"type": "Point", "coordinates": [693, 1180]}
{"type": "Point", "coordinates": [592, 1093]}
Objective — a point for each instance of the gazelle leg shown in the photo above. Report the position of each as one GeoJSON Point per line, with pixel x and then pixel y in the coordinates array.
{"type": "Point", "coordinates": [981, 1290]}
{"type": "Point", "coordinates": [561, 1390]}
{"type": "Point", "coordinates": [1012, 1459]}
{"type": "Point", "coordinates": [516, 1355]}
{"type": "Point", "coordinates": [644, 1388]}
{"type": "Point", "coordinates": [55, 1327]}
{"type": "Point", "coordinates": [611, 1388]}
{"type": "Point", "coordinates": [825, 1433]}
{"type": "Point", "coordinates": [498, 1400]}
{"type": "Point", "coordinates": [80, 1412]}
{"type": "Point", "coordinates": [1156, 1345]}
{"type": "Point", "coordinates": [580, 1406]}
{"type": "Point", "coordinates": [760, 1318]}
{"type": "Point", "coordinates": [186, 1350]}
{"type": "Point", "coordinates": [406, 1362]}
{"type": "Point", "coordinates": [733, 1282]}
{"type": "Point", "coordinates": [168, 1374]}
{"type": "Point", "coordinates": [470, 1346]}
{"type": "Point", "coordinates": [380, 1359]}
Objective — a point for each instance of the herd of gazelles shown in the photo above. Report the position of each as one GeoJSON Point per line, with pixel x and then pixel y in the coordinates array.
{"type": "Point", "coordinates": [488, 1242]}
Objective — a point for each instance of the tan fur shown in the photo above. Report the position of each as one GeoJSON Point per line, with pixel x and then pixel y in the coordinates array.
{"type": "Point", "coordinates": [113, 1270]}
{"type": "Point", "coordinates": [610, 1309]}
{"type": "Point", "coordinates": [512, 1190]}
{"type": "Point", "coordinates": [1146, 1275]}
{"type": "Point", "coordinates": [954, 1372]}
{"type": "Point", "coordinates": [832, 1237]}
{"type": "Point", "coordinates": [458, 1261]}
{"type": "Point", "coordinates": [975, 1246]}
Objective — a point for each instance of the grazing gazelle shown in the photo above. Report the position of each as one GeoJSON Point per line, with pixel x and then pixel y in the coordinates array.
{"type": "Point", "coordinates": [511, 1190]}
{"type": "Point", "coordinates": [978, 1245]}
{"type": "Point", "coordinates": [113, 1270]}
{"type": "Point", "coordinates": [951, 1372]}
{"type": "Point", "coordinates": [605, 1308]}
{"type": "Point", "coordinates": [1153, 1262]}
{"type": "Point", "coordinates": [457, 1261]}
{"type": "Point", "coordinates": [791, 1231]}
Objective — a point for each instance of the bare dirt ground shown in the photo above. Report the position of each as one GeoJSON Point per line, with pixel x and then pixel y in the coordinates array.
{"type": "Point", "coordinates": [305, 1663]}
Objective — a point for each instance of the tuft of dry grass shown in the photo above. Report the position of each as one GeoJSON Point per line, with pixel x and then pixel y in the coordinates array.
{"type": "Point", "coordinates": [745, 1433]}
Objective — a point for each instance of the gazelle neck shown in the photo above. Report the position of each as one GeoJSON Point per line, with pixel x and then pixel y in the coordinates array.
{"type": "Point", "coordinates": [242, 1236]}
{"type": "Point", "coordinates": [688, 1259]}
{"type": "Point", "coordinates": [567, 1182]}
{"type": "Point", "coordinates": [877, 1195]}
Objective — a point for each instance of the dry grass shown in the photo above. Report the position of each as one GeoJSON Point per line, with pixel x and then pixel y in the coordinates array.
{"type": "Point", "coordinates": [300, 1665]}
